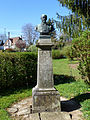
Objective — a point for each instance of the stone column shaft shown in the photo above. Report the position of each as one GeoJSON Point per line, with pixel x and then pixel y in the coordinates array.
{"type": "Point", "coordinates": [45, 96]}
{"type": "Point", "coordinates": [45, 69]}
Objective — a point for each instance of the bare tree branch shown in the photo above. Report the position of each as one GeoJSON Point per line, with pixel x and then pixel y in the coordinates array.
{"type": "Point", "coordinates": [30, 35]}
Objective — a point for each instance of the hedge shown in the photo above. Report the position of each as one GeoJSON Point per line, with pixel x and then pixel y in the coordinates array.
{"type": "Point", "coordinates": [17, 69]}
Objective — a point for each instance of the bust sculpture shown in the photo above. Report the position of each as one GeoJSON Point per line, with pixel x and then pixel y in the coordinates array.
{"type": "Point", "coordinates": [44, 28]}
{"type": "Point", "coordinates": [45, 97]}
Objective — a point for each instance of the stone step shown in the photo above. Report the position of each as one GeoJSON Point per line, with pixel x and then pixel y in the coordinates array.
{"type": "Point", "coordinates": [50, 116]}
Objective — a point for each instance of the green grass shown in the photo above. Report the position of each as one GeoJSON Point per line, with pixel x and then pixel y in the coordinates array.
{"type": "Point", "coordinates": [9, 98]}
{"type": "Point", "coordinates": [72, 87]}
{"type": "Point", "coordinates": [67, 81]}
{"type": "Point", "coordinates": [86, 109]}
{"type": "Point", "coordinates": [60, 67]}
{"type": "Point", "coordinates": [70, 90]}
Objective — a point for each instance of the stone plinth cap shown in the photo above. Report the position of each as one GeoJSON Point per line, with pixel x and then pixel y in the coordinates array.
{"type": "Point", "coordinates": [44, 41]}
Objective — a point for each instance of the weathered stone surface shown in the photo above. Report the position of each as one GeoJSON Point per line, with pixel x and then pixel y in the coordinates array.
{"type": "Point", "coordinates": [12, 110]}
{"type": "Point", "coordinates": [24, 111]}
{"type": "Point", "coordinates": [17, 105]}
{"type": "Point", "coordinates": [34, 116]}
{"type": "Point", "coordinates": [45, 71]}
{"type": "Point", "coordinates": [65, 116]}
{"type": "Point", "coordinates": [54, 116]}
{"type": "Point", "coordinates": [45, 96]}
{"type": "Point", "coordinates": [44, 41]}
{"type": "Point", "coordinates": [46, 101]}
{"type": "Point", "coordinates": [74, 114]}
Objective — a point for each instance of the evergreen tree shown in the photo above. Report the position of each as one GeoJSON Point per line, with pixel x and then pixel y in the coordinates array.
{"type": "Point", "coordinates": [78, 6]}
{"type": "Point", "coordinates": [53, 34]}
{"type": "Point", "coordinates": [75, 23]}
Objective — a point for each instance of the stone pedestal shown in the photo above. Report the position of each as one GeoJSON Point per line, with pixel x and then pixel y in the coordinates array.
{"type": "Point", "coordinates": [45, 96]}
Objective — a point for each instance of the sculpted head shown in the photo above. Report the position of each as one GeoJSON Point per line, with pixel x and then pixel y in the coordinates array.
{"type": "Point", "coordinates": [44, 28]}
{"type": "Point", "coordinates": [43, 18]}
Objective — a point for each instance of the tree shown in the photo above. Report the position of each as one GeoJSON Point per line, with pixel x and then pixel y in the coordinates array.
{"type": "Point", "coordinates": [51, 23]}
{"type": "Point", "coordinates": [81, 47]}
{"type": "Point", "coordinates": [77, 22]}
{"type": "Point", "coordinates": [30, 35]}
{"type": "Point", "coordinates": [70, 25]}
{"type": "Point", "coordinates": [53, 33]}
{"type": "Point", "coordinates": [77, 27]}
{"type": "Point", "coordinates": [21, 44]}
{"type": "Point", "coordinates": [77, 6]}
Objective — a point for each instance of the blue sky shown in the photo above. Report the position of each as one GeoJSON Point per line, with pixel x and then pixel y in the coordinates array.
{"type": "Point", "coordinates": [16, 13]}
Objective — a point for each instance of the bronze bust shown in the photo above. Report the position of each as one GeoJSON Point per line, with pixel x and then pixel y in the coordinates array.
{"type": "Point", "coordinates": [44, 28]}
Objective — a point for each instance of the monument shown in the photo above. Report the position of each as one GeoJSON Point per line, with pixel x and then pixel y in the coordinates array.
{"type": "Point", "coordinates": [45, 96]}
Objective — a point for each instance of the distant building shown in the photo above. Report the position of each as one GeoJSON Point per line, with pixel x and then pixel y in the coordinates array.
{"type": "Point", "coordinates": [11, 43]}
{"type": "Point", "coordinates": [1, 45]}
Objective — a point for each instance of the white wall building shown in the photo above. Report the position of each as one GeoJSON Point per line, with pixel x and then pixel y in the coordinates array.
{"type": "Point", "coordinates": [11, 43]}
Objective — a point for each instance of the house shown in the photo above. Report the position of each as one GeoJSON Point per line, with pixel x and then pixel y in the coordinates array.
{"type": "Point", "coordinates": [1, 45]}
{"type": "Point", "coordinates": [11, 42]}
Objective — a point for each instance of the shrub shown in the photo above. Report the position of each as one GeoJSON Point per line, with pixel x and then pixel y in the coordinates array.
{"type": "Point", "coordinates": [32, 48]}
{"type": "Point", "coordinates": [10, 50]}
{"type": "Point", "coordinates": [58, 54]}
{"type": "Point", "coordinates": [81, 45]}
{"type": "Point", "coordinates": [69, 52]}
{"type": "Point", "coordinates": [17, 69]}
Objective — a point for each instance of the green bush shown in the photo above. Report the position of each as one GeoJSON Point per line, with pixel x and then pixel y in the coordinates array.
{"type": "Point", "coordinates": [81, 45]}
{"type": "Point", "coordinates": [17, 69]}
{"type": "Point", "coordinates": [10, 50]}
{"type": "Point", "coordinates": [32, 48]}
{"type": "Point", "coordinates": [58, 54]}
{"type": "Point", "coordinates": [69, 52]}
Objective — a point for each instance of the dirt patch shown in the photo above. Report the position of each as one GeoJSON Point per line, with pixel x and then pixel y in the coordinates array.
{"type": "Point", "coordinates": [73, 66]}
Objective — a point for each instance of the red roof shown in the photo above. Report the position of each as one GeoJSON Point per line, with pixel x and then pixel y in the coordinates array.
{"type": "Point", "coordinates": [13, 40]}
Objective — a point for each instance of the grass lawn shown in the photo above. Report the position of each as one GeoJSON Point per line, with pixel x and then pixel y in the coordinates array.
{"type": "Point", "coordinates": [9, 97]}
{"type": "Point", "coordinates": [67, 81]}
{"type": "Point", "coordinates": [72, 87]}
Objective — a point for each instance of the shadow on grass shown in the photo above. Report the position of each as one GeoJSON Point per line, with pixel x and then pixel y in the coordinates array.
{"type": "Point", "coordinates": [82, 97]}
{"type": "Point", "coordinates": [74, 103]}
{"type": "Point", "coordinates": [61, 79]}
{"type": "Point", "coordinates": [9, 91]}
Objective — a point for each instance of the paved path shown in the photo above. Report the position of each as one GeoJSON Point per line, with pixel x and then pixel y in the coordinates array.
{"type": "Point", "coordinates": [21, 111]}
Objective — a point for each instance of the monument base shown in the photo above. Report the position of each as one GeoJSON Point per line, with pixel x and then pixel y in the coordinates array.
{"type": "Point", "coordinates": [45, 100]}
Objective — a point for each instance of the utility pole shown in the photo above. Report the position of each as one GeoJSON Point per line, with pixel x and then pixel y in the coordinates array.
{"type": "Point", "coordinates": [4, 35]}
{"type": "Point", "coordinates": [8, 39]}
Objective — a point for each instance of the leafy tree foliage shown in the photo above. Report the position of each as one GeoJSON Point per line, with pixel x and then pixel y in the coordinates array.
{"type": "Point", "coordinates": [71, 25]}
{"type": "Point", "coordinates": [20, 44]}
{"type": "Point", "coordinates": [81, 46]}
{"type": "Point", "coordinates": [53, 33]}
{"type": "Point", "coordinates": [78, 21]}
{"type": "Point", "coordinates": [74, 25]}
{"type": "Point", "coordinates": [79, 6]}
{"type": "Point", "coordinates": [32, 48]}
{"type": "Point", "coordinates": [51, 23]}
